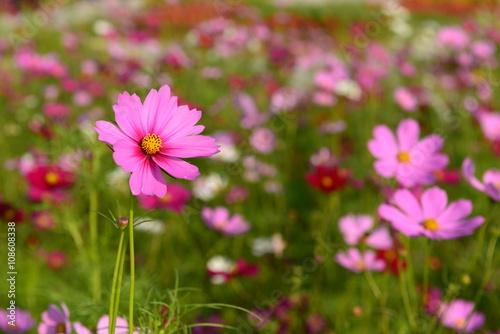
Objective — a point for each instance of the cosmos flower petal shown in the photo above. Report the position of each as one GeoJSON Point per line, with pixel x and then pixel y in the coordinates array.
{"type": "Point", "coordinates": [176, 167]}
{"type": "Point", "coordinates": [384, 145]}
{"type": "Point", "coordinates": [434, 201]}
{"type": "Point", "coordinates": [109, 133]}
{"type": "Point", "coordinates": [181, 123]}
{"type": "Point", "coordinates": [455, 211]}
{"type": "Point", "coordinates": [128, 116]}
{"type": "Point", "coordinates": [405, 200]}
{"type": "Point", "coordinates": [380, 239]}
{"type": "Point", "coordinates": [408, 132]}
{"type": "Point", "coordinates": [190, 147]}
{"type": "Point", "coordinates": [386, 167]}
{"type": "Point", "coordinates": [400, 221]}
{"type": "Point", "coordinates": [128, 155]}
{"type": "Point", "coordinates": [468, 169]}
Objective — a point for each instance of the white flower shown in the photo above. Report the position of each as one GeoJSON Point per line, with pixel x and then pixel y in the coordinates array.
{"type": "Point", "coordinates": [270, 245]}
{"type": "Point", "coordinates": [208, 187]}
{"type": "Point", "coordinates": [148, 225]}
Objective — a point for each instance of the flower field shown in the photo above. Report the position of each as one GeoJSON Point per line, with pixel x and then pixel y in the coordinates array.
{"type": "Point", "coordinates": [234, 166]}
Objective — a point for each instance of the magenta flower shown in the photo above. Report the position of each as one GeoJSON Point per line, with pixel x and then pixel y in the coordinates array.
{"type": "Point", "coordinates": [459, 315]}
{"type": "Point", "coordinates": [175, 200]}
{"type": "Point", "coordinates": [405, 99]}
{"type": "Point", "coordinates": [491, 179]}
{"type": "Point", "coordinates": [490, 124]}
{"type": "Point", "coordinates": [23, 321]}
{"type": "Point", "coordinates": [453, 37]}
{"type": "Point", "coordinates": [55, 320]}
{"type": "Point", "coordinates": [220, 220]}
{"type": "Point", "coordinates": [153, 137]}
{"type": "Point", "coordinates": [358, 229]}
{"type": "Point", "coordinates": [431, 216]}
{"type": "Point", "coordinates": [358, 262]}
{"type": "Point", "coordinates": [404, 157]}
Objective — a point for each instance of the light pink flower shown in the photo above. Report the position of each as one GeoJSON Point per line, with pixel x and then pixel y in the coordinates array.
{"type": "Point", "coordinates": [404, 157]}
{"type": "Point", "coordinates": [453, 37]}
{"type": "Point", "coordinates": [55, 320]}
{"type": "Point", "coordinates": [490, 124]}
{"type": "Point", "coordinates": [153, 137]}
{"type": "Point", "coordinates": [459, 315]}
{"type": "Point", "coordinates": [121, 325]}
{"type": "Point", "coordinates": [491, 179]}
{"type": "Point", "coordinates": [263, 140]}
{"type": "Point", "coordinates": [358, 262]}
{"type": "Point", "coordinates": [359, 228]}
{"type": "Point", "coordinates": [405, 99]}
{"type": "Point", "coordinates": [430, 216]}
{"type": "Point", "coordinates": [220, 220]}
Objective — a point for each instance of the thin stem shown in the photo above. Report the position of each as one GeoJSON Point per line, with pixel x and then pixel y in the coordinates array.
{"type": "Point", "coordinates": [427, 250]}
{"type": "Point", "coordinates": [482, 233]}
{"type": "Point", "coordinates": [117, 275]}
{"type": "Point", "coordinates": [404, 294]}
{"type": "Point", "coordinates": [93, 231]}
{"type": "Point", "coordinates": [373, 285]}
{"type": "Point", "coordinates": [132, 265]}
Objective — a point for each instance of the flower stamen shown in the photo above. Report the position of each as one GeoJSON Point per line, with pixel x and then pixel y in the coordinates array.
{"type": "Point", "coordinates": [404, 157]}
{"type": "Point", "coordinates": [430, 224]}
{"type": "Point", "coordinates": [151, 144]}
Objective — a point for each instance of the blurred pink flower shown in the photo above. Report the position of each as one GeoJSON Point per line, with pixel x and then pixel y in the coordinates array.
{"type": "Point", "coordinates": [431, 216]}
{"type": "Point", "coordinates": [359, 229]}
{"type": "Point", "coordinates": [220, 220]}
{"type": "Point", "coordinates": [56, 110]}
{"type": "Point", "coordinates": [490, 124]}
{"type": "Point", "coordinates": [43, 220]}
{"type": "Point", "coordinates": [23, 321]}
{"type": "Point", "coordinates": [55, 320]}
{"type": "Point", "coordinates": [358, 262]}
{"type": "Point", "coordinates": [152, 137]}
{"type": "Point", "coordinates": [263, 140]}
{"type": "Point", "coordinates": [121, 325]}
{"type": "Point", "coordinates": [405, 99]}
{"type": "Point", "coordinates": [404, 157]}
{"type": "Point", "coordinates": [236, 194]}
{"type": "Point", "coordinates": [56, 259]}
{"type": "Point", "coordinates": [491, 179]}
{"type": "Point", "coordinates": [221, 270]}
{"type": "Point", "coordinates": [459, 314]}
{"type": "Point", "coordinates": [175, 199]}
{"type": "Point", "coordinates": [453, 37]}
{"type": "Point", "coordinates": [48, 182]}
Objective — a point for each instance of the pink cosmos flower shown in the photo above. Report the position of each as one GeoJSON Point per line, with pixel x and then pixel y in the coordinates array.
{"type": "Point", "coordinates": [43, 220]}
{"type": "Point", "coordinates": [490, 124]}
{"type": "Point", "coordinates": [491, 179]}
{"type": "Point", "coordinates": [405, 99]}
{"type": "Point", "coordinates": [220, 220]}
{"type": "Point", "coordinates": [459, 315]}
{"type": "Point", "coordinates": [404, 157]}
{"type": "Point", "coordinates": [453, 37]}
{"type": "Point", "coordinates": [358, 228]}
{"type": "Point", "coordinates": [431, 216]}
{"type": "Point", "coordinates": [55, 320]}
{"type": "Point", "coordinates": [358, 262]}
{"type": "Point", "coordinates": [263, 140]}
{"type": "Point", "coordinates": [175, 200]}
{"type": "Point", "coordinates": [121, 325]}
{"type": "Point", "coordinates": [24, 322]}
{"type": "Point", "coordinates": [153, 137]}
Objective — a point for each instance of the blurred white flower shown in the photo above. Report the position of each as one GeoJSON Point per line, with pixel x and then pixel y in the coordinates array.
{"type": "Point", "coordinates": [148, 225]}
{"type": "Point", "coordinates": [269, 245]}
{"type": "Point", "coordinates": [349, 89]}
{"type": "Point", "coordinates": [207, 187]}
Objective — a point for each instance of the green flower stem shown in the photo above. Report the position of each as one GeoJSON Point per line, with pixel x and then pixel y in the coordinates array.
{"type": "Point", "coordinates": [482, 233]}
{"type": "Point", "coordinates": [95, 279]}
{"type": "Point", "coordinates": [373, 285]}
{"type": "Point", "coordinates": [116, 288]}
{"type": "Point", "coordinates": [427, 256]}
{"type": "Point", "coordinates": [403, 286]}
{"type": "Point", "coordinates": [132, 266]}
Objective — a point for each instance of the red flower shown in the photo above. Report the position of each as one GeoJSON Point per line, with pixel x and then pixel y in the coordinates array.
{"type": "Point", "coordinates": [48, 182]}
{"type": "Point", "coordinates": [327, 179]}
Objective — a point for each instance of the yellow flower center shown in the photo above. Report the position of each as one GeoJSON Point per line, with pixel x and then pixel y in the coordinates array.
{"type": "Point", "coordinates": [167, 198]}
{"type": "Point", "coordinates": [360, 265]}
{"type": "Point", "coordinates": [404, 157]}
{"type": "Point", "coordinates": [431, 224]}
{"type": "Point", "coordinates": [460, 323]}
{"type": "Point", "coordinates": [326, 181]}
{"type": "Point", "coordinates": [61, 328]}
{"type": "Point", "coordinates": [151, 144]}
{"type": "Point", "coordinates": [52, 178]}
